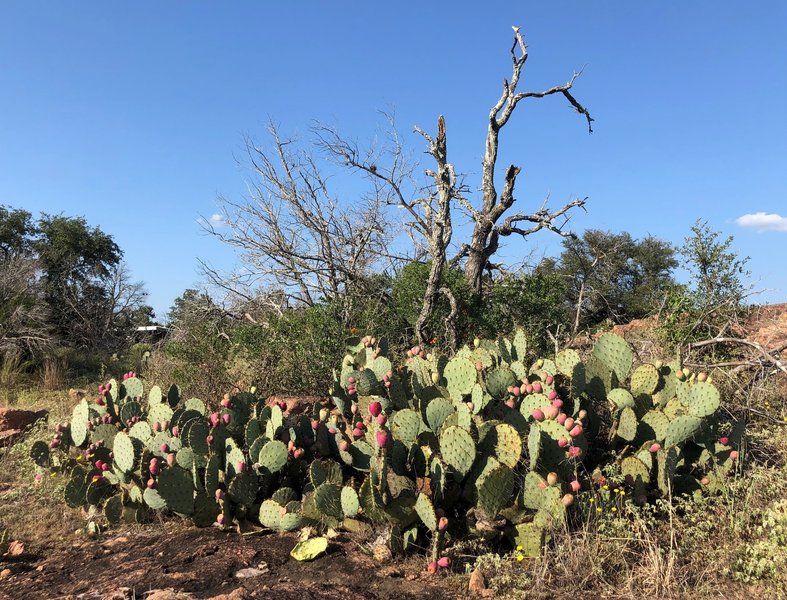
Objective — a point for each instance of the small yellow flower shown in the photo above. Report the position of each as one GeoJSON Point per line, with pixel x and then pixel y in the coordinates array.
{"type": "Point", "coordinates": [605, 487]}
{"type": "Point", "coordinates": [622, 492]}
{"type": "Point", "coordinates": [53, 474]}
{"type": "Point", "coordinates": [598, 509]}
{"type": "Point", "coordinates": [616, 490]}
{"type": "Point", "coordinates": [520, 558]}
{"type": "Point", "coordinates": [519, 548]}
{"type": "Point", "coordinates": [614, 508]}
{"type": "Point", "coordinates": [591, 500]}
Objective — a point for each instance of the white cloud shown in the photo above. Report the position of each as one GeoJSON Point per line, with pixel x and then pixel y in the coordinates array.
{"type": "Point", "coordinates": [216, 219]}
{"type": "Point", "coordinates": [763, 221]}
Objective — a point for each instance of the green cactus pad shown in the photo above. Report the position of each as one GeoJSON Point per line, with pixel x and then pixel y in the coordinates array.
{"type": "Point", "coordinates": [680, 429]}
{"type": "Point", "coordinates": [566, 361]}
{"type": "Point", "coordinates": [506, 444]}
{"type": "Point", "coordinates": [157, 413]}
{"type": "Point", "coordinates": [79, 418]}
{"type": "Point", "coordinates": [437, 411]}
{"type": "Point", "coordinates": [328, 499]}
{"type": "Point", "coordinates": [173, 395]}
{"type": "Point", "coordinates": [621, 398]}
{"type": "Point", "coordinates": [498, 382]}
{"type": "Point", "coordinates": [636, 469]}
{"type": "Point", "coordinates": [75, 492]}
{"type": "Point", "coordinates": [349, 499]}
{"type": "Point", "coordinates": [185, 458]}
{"type": "Point", "coordinates": [155, 395]}
{"type": "Point", "coordinates": [703, 399]}
{"type": "Point", "coordinates": [252, 432]}
{"type": "Point", "coordinates": [627, 425]}
{"type": "Point", "coordinates": [39, 453]}
{"type": "Point", "coordinates": [530, 402]}
{"type": "Point", "coordinates": [599, 378]}
{"type": "Point", "coordinates": [519, 345]}
{"type": "Point", "coordinates": [325, 471]}
{"type": "Point", "coordinates": [667, 465]}
{"type": "Point", "coordinates": [176, 488]}
{"type": "Point", "coordinates": [270, 514]}
{"type": "Point", "coordinates": [380, 366]}
{"type": "Point", "coordinates": [127, 450]}
{"type": "Point", "coordinates": [310, 549]}
{"type": "Point", "coordinates": [531, 537]}
{"type": "Point", "coordinates": [613, 351]}
{"type": "Point", "coordinates": [154, 500]}
{"type": "Point", "coordinates": [361, 454]}
{"type": "Point", "coordinates": [113, 510]}
{"type": "Point", "coordinates": [532, 492]}
{"type": "Point", "coordinates": [425, 511]}
{"type": "Point", "coordinates": [653, 426]}
{"type": "Point", "coordinates": [243, 489]}
{"type": "Point", "coordinates": [130, 409]}
{"type": "Point", "coordinates": [142, 432]}
{"type": "Point", "coordinates": [405, 426]}
{"type": "Point", "coordinates": [460, 375]}
{"type": "Point", "coordinates": [273, 456]}
{"type": "Point", "coordinates": [206, 510]}
{"type": "Point", "coordinates": [132, 388]}
{"type": "Point", "coordinates": [370, 500]}
{"type": "Point", "coordinates": [494, 489]}
{"type": "Point", "coordinates": [644, 380]}
{"type": "Point", "coordinates": [366, 382]}
{"type": "Point", "coordinates": [458, 449]}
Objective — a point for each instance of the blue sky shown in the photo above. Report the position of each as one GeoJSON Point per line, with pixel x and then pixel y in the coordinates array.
{"type": "Point", "coordinates": [133, 114]}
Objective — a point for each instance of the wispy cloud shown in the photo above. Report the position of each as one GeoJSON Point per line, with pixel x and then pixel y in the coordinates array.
{"type": "Point", "coordinates": [763, 221]}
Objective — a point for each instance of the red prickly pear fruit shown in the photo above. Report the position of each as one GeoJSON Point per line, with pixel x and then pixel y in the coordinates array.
{"type": "Point", "coordinates": [529, 388]}
{"type": "Point", "coordinates": [551, 478]}
{"type": "Point", "coordinates": [315, 424]}
{"type": "Point", "coordinates": [283, 511]}
{"type": "Point", "coordinates": [552, 395]}
{"type": "Point", "coordinates": [351, 380]}
{"type": "Point", "coordinates": [344, 445]}
{"type": "Point", "coordinates": [516, 391]}
{"type": "Point", "coordinates": [576, 431]}
{"type": "Point", "coordinates": [575, 486]}
{"type": "Point", "coordinates": [175, 431]}
{"type": "Point", "coordinates": [104, 467]}
{"type": "Point", "coordinates": [226, 417]}
{"type": "Point", "coordinates": [240, 467]}
{"type": "Point", "coordinates": [39, 477]}
{"type": "Point", "coordinates": [382, 420]}
{"type": "Point", "coordinates": [100, 401]}
{"type": "Point", "coordinates": [704, 481]}
{"type": "Point", "coordinates": [109, 386]}
{"type": "Point", "coordinates": [226, 402]}
{"type": "Point", "coordinates": [375, 408]}
{"type": "Point", "coordinates": [387, 385]}
{"type": "Point", "coordinates": [567, 500]}
{"type": "Point", "coordinates": [537, 388]}
{"type": "Point", "coordinates": [563, 442]}
{"type": "Point", "coordinates": [654, 448]}
{"type": "Point", "coordinates": [702, 376]}
{"type": "Point", "coordinates": [582, 414]}
{"type": "Point", "coordinates": [357, 433]}
{"type": "Point", "coordinates": [538, 414]}
{"type": "Point", "coordinates": [298, 453]}
{"type": "Point", "coordinates": [171, 459]}
{"type": "Point", "coordinates": [219, 494]}
{"type": "Point", "coordinates": [549, 380]}
{"type": "Point", "coordinates": [332, 430]}
{"type": "Point", "coordinates": [417, 349]}
{"type": "Point", "coordinates": [442, 524]}
{"type": "Point", "coordinates": [154, 467]}
{"type": "Point", "coordinates": [214, 419]}
{"type": "Point", "coordinates": [409, 354]}
{"type": "Point", "coordinates": [724, 440]}
{"type": "Point", "coordinates": [561, 418]}
{"type": "Point", "coordinates": [569, 423]}
{"type": "Point", "coordinates": [282, 405]}
{"type": "Point", "coordinates": [98, 464]}
{"type": "Point", "coordinates": [543, 374]}
{"type": "Point", "coordinates": [156, 426]}
{"type": "Point", "coordinates": [209, 440]}
{"type": "Point", "coordinates": [382, 438]}
{"type": "Point", "coordinates": [734, 455]}
{"type": "Point", "coordinates": [422, 354]}
{"type": "Point", "coordinates": [551, 411]}
{"type": "Point", "coordinates": [164, 448]}
{"type": "Point", "coordinates": [557, 402]}
{"type": "Point", "coordinates": [542, 485]}
{"type": "Point", "coordinates": [432, 567]}
{"type": "Point", "coordinates": [220, 519]}
{"type": "Point", "coordinates": [479, 366]}
{"type": "Point", "coordinates": [575, 452]}
{"type": "Point", "coordinates": [54, 443]}
{"type": "Point", "coordinates": [151, 483]}
{"type": "Point", "coordinates": [444, 562]}
{"type": "Point", "coordinates": [511, 403]}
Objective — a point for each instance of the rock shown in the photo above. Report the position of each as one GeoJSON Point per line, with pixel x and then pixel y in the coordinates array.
{"type": "Point", "coordinates": [168, 595]}
{"type": "Point", "coordinates": [14, 418]}
{"type": "Point", "coordinates": [252, 572]}
{"type": "Point", "coordinates": [478, 584]}
{"type": "Point", "coordinates": [239, 594]}
{"type": "Point", "coordinates": [5, 573]}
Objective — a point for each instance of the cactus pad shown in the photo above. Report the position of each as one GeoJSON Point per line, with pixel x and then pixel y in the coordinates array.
{"type": "Point", "coordinates": [273, 456]}
{"type": "Point", "coordinates": [680, 429]}
{"type": "Point", "coordinates": [613, 351]}
{"type": "Point", "coordinates": [438, 411]}
{"type": "Point", "coordinates": [703, 399]}
{"type": "Point", "coordinates": [425, 511]}
{"type": "Point", "coordinates": [644, 380]}
{"type": "Point", "coordinates": [460, 375]}
{"type": "Point", "coordinates": [458, 449]}
{"type": "Point", "coordinates": [494, 488]}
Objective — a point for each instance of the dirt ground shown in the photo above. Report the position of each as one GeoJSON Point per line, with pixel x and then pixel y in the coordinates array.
{"type": "Point", "coordinates": [207, 563]}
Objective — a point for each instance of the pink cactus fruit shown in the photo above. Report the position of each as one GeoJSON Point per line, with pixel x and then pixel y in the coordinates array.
{"type": "Point", "coordinates": [538, 414]}
{"type": "Point", "coordinates": [575, 486]}
{"type": "Point", "coordinates": [382, 438]}
{"type": "Point", "coordinates": [654, 448]}
{"type": "Point", "coordinates": [375, 408]}
{"type": "Point", "coordinates": [444, 562]}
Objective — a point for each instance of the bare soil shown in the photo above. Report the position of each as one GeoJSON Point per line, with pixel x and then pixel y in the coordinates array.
{"type": "Point", "coordinates": [204, 563]}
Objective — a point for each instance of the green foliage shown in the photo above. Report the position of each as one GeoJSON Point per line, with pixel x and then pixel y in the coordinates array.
{"type": "Point", "coordinates": [492, 447]}
{"type": "Point", "coordinates": [715, 295]}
